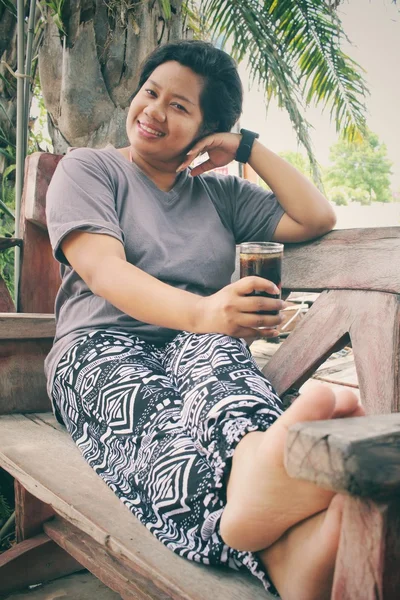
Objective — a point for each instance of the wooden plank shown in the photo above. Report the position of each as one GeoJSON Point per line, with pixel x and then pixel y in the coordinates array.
{"type": "Point", "coordinates": [327, 326]}
{"type": "Point", "coordinates": [38, 263]}
{"type": "Point", "coordinates": [363, 259]}
{"type": "Point", "coordinates": [336, 365]}
{"type": "Point", "coordinates": [39, 169]}
{"type": "Point", "coordinates": [129, 583]}
{"type": "Point", "coordinates": [30, 513]}
{"type": "Point", "coordinates": [359, 456]}
{"type": "Point", "coordinates": [375, 336]}
{"type": "Point", "coordinates": [46, 461]}
{"type": "Point", "coordinates": [322, 331]}
{"type": "Point", "coordinates": [369, 552]}
{"type": "Point", "coordinates": [25, 326]}
{"type": "Point", "coordinates": [33, 561]}
{"type": "Point", "coordinates": [6, 302]}
{"type": "Point", "coordinates": [77, 586]}
{"type": "Point", "coordinates": [342, 377]}
{"type": "Point", "coordinates": [22, 379]}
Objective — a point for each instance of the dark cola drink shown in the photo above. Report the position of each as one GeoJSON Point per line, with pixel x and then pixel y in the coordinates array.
{"type": "Point", "coordinates": [263, 260]}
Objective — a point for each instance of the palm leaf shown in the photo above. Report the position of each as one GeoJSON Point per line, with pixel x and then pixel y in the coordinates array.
{"type": "Point", "coordinates": [166, 8]}
{"type": "Point", "coordinates": [294, 50]}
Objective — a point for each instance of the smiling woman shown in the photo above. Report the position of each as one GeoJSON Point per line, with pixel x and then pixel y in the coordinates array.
{"type": "Point", "coordinates": [150, 370]}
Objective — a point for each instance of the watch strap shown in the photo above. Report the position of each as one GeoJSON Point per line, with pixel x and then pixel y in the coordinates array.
{"type": "Point", "coordinates": [245, 146]}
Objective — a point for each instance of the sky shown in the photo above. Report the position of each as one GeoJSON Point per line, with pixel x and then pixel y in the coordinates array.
{"type": "Point", "coordinates": [373, 27]}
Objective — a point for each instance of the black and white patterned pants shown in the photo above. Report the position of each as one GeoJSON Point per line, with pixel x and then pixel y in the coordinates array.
{"type": "Point", "coordinates": [160, 424]}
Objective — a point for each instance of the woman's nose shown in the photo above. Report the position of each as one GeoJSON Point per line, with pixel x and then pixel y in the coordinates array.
{"type": "Point", "coordinates": [155, 111]}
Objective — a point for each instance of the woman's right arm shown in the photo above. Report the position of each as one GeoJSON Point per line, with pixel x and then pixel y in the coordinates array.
{"type": "Point", "coordinates": [101, 262]}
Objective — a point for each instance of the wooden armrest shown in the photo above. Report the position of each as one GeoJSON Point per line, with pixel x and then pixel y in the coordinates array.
{"type": "Point", "coordinates": [359, 456]}
{"type": "Point", "coordinates": [6, 242]}
{"type": "Point", "coordinates": [26, 326]}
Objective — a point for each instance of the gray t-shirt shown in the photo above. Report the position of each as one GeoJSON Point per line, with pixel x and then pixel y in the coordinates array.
{"type": "Point", "coordinates": [185, 237]}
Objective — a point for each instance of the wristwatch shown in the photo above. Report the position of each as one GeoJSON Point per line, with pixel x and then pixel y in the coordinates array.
{"type": "Point", "coordinates": [245, 146]}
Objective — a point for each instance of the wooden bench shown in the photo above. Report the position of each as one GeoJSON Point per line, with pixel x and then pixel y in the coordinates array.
{"type": "Point", "coordinates": [67, 518]}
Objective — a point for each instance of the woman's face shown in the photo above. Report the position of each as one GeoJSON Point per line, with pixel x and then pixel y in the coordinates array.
{"type": "Point", "coordinates": [165, 116]}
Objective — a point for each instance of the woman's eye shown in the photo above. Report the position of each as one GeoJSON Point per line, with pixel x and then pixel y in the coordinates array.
{"type": "Point", "coordinates": [151, 93]}
{"type": "Point", "coordinates": [179, 106]}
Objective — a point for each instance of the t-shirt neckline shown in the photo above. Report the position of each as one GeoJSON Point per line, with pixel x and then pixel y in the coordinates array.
{"type": "Point", "coordinates": [167, 197]}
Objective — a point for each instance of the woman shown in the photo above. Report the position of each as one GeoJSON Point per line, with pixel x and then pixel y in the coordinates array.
{"type": "Point", "coordinates": [149, 371]}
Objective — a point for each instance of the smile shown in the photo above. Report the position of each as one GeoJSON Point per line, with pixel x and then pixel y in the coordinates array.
{"type": "Point", "coordinates": [148, 129]}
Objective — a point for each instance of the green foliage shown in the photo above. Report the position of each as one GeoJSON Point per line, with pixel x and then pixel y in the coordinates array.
{"type": "Point", "coordinates": [56, 7]}
{"type": "Point", "coordinates": [7, 506]}
{"type": "Point", "coordinates": [7, 228]}
{"type": "Point", "coordinates": [5, 510]}
{"type": "Point", "coordinates": [299, 161]}
{"type": "Point", "coordinates": [166, 8]}
{"type": "Point", "coordinates": [339, 195]}
{"type": "Point", "coordinates": [363, 168]}
{"type": "Point", "coordinates": [294, 50]}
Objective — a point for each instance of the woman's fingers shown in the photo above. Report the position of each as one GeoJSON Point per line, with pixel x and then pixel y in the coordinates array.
{"type": "Point", "coordinates": [256, 304]}
{"type": "Point", "coordinates": [207, 165]}
{"type": "Point", "coordinates": [248, 285]}
{"type": "Point", "coordinates": [255, 321]}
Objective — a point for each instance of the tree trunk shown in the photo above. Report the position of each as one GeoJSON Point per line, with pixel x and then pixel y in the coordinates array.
{"type": "Point", "coordinates": [89, 74]}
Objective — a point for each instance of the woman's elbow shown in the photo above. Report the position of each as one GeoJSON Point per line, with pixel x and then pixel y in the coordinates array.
{"type": "Point", "coordinates": [329, 222]}
{"type": "Point", "coordinates": [321, 226]}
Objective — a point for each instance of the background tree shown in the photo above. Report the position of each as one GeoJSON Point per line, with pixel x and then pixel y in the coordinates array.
{"type": "Point", "coordinates": [90, 55]}
{"type": "Point", "coordinates": [89, 60]}
{"type": "Point", "coordinates": [363, 167]}
{"type": "Point", "coordinates": [299, 161]}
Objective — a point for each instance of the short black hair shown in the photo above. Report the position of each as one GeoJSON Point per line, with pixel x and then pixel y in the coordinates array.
{"type": "Point", "coordinates": [222, 96]}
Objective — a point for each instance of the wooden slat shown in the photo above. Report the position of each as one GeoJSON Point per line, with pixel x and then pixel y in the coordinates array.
{"type": "Point", "coordinates": [46, 462]}
{"type": "Point", "coordinates": [375, 337]}
{"type": "Point", "coordinates": [40, 273]}
{"type": "Point", "coordinates": [367, 564]}
{"type": "Point", "coordinates": [33, 561]}
{"type": "Point", "coordinates": [30, 513]}
{"type": "Point", "coordinates": [22, 379]}
{"type": "Point", "coordinates": [129, 583]}
{"type": "Point", "coordinates": [6, 302]}
{"type": "Point", "coordinates": [360, 456]}
{"type": "Point", "coordinates": [26, 326]}
{"type": "Point", "coordinates": [336, 365]}
{"type": "Point", "coordinates": [364, 259]}
{"type": "Point", "coordinates": [334, 318]}
{"type": "Point", "coordinates": [39, 169]}
{"type": "Point", "coordinates": [347, 376]}
{"type": "Point", "coordinates": [322, 331]}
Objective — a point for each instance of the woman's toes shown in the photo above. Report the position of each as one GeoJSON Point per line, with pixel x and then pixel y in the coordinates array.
{"type": "Point", "coordinates": [347, 405]}
{"type": "Point", "coordinates": [316, 404]}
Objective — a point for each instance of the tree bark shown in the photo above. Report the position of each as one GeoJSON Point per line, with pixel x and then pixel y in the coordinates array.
{"type": "Point", "coordinates": [89, 74]}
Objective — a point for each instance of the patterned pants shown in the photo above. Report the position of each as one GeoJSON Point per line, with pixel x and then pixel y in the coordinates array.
{"type": "Point", "coordinates": [160, 424]}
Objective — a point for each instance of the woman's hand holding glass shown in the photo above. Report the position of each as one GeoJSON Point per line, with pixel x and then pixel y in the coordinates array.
{"type": "Point", "coordinates": [233, 312]}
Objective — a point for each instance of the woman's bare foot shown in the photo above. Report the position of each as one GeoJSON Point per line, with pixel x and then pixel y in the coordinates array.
{"type": "Point", "coordinates": [301, 563]}
{"type": "Point", "coordinates": [263, 502]}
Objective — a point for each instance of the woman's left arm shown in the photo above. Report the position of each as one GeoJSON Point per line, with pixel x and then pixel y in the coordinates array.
{"type": "Point", "coordinates": [308, 213]}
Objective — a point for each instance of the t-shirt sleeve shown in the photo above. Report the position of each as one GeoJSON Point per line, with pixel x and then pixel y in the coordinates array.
{"type": "Point", "coordinates": [81, 197]}
{"type": "Point", "coordinates": [256, 212]}
{"type": "Point", "coordinates": [248, 210]}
